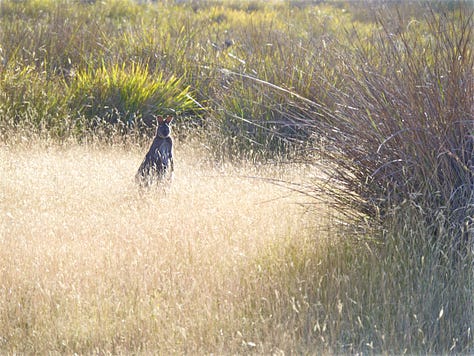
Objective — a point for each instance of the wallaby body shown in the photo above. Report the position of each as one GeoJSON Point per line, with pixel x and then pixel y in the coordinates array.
{"type": "Point", "coordinates": [159, 159]}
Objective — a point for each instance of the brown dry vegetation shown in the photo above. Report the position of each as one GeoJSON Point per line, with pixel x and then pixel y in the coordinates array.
{"type": "Point", "coordinates": [90, 264]}
{"type": "Point", "coordinates": [223, 260]}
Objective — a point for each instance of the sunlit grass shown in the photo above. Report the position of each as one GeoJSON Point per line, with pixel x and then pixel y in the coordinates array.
{"type": "Point", "coordinates": [121, 94]}
{"type": "Point", "coordinates": [227, 259]}
{"type": "Point", "coordinates": [90, 263]}
{"type": "Point", "coordinates": [223, 260]}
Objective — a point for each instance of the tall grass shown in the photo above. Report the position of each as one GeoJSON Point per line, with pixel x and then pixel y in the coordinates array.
{"type": "Point", "coordinates": [193, 43]}
{"type": "Point", "coordinates": [379, 103]}
{"type": "Point", "coordinates": [222, 261]}
{"type": "Point", "coordinates": [400, 131]}
{"type": "Point", "coordinates": [123, 94]}
{"type": "Point", "coordinates": [90, 265]}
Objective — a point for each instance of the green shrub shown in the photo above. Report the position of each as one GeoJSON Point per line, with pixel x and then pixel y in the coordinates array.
{"type": "Point", "coordinates": [128, 93]}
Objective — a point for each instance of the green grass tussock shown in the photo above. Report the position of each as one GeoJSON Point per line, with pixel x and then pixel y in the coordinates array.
{"type": "Point", "coordinates": [123, 94]}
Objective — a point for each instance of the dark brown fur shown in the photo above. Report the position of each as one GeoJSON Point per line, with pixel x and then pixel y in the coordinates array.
{"type": "Point", "coordinates": [159, 159]}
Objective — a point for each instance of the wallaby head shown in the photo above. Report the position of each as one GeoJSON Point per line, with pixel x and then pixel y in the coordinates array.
{"type": "Point", "coordinates": [163, 129]}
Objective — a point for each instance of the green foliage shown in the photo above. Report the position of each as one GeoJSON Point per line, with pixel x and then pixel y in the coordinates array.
{"type": "Point", "coordinates": [192, 43]}
{"type": "Point", "coordinates": [122, 93]}
{"type": "Point", "coordinates": [30, 102]}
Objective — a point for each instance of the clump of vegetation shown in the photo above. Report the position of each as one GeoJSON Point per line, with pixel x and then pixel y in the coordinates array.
{"type": "Point", "coordinates": [126, 94]}
{"type": "Point", "coordinates": [400, 130]}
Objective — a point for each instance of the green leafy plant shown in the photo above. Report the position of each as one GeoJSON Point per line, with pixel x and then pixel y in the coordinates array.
{"type": "Point", "coordinates": [125, 93]}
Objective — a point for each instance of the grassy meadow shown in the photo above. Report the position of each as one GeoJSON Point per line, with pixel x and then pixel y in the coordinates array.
{"type": "Point", "coordinates": [223, 260]}
{"type": "Point", "coordinates": [91, 264]}
{"type": "Point", "coordinates": [322, 199]}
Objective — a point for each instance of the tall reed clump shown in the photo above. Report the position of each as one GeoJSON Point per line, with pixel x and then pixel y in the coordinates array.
{"type": "Point", "coordinates": [395, 135]}
{"type": "Point", "coordinates": [399, 133]}
{"type": "Point", "coordinates": [397, 142]}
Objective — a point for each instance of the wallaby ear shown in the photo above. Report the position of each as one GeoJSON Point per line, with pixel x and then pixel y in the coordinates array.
{"type": "Point", "coordinates": [169, 118]}
{"type": "Point", "coordinates": [159, 119]}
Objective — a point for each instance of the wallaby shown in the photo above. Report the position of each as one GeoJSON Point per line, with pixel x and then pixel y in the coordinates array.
{"type": "Point", "coordinates": [159, 159]}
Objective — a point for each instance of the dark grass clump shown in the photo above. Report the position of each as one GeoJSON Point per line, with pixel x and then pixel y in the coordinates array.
{"type": "Point", "coordinates": [399, 131]}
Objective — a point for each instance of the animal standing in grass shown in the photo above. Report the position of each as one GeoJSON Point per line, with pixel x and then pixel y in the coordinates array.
{"type": "Point", "coordinates": [158, 161]}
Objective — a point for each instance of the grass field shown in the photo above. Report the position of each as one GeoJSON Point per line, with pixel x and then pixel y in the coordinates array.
{"type": "Point", "coordinates": [221, 261]}
{"type": "Point", "coordinates": [322, 201]}
{"type": "Point", "coordinates": [90, 264]}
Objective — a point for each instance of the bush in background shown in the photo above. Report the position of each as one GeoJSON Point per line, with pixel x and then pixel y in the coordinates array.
{"type": "Point", "coordinates": [399, 133]}
{"type": "Point", "coordinates": [128, 95]}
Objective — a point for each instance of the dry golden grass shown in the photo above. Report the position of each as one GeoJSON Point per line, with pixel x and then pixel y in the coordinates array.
{"type": "Point", "coordinates": [221, 261]}
{"type": "Point", "coordinates": [90, 264]}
